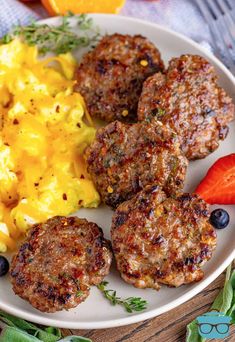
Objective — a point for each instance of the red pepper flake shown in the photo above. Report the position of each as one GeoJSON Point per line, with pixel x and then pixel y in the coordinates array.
{"type": "Point", "coordinates": [64, 197]}
{"type": "Point", "coordinates": [78, 125]}
{"type": "Point", "coordinates": [80, 202]}
{"type": "Point", "coordinates": [15, 122]}
{"type": "Point", "coordinates": [82, 177]}
{"type": "Point", "coordinates": [36, 184]}
{"type": "Point", "coordinates": [57, 109]}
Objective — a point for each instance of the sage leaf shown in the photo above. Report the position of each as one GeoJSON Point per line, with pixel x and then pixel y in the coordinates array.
{"type": "Point", "coordinates": [18, 330]}
{"type": "Point", "coordinates": [75, 339]}
{"type": "Point", "coordinates": [218, 302]}
{"type": "Point", "coordinates": [53, 331]}
{"type": "Point", "coordinates": [231, 311]}
{"type": "Point", "coordinates": [45, 336]}
{"type": "Point", "coordinates": [224, 302]}
{"type": "Point", "coordinates": [12, 334]}
{"type": "Point", "coordinates": [16, 322]}
{"type": "Point", "coordinates": [224, 299]}
{"type": "Point", "coordinates": [192, 334]}
{"type": "Point", "coordinates": [48, 335]}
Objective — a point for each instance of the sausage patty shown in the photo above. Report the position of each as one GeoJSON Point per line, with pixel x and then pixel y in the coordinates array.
{"type": "Point", "coordinates": [110, 77]}
{"type": "Point", "coordinates": [59, 261]}
{"type": "Point", "coordinates": [124, 158]}
{"type": "Point", "coordinates": [162, 240]}
{"type": "Point", "coordinates": [189, 99]}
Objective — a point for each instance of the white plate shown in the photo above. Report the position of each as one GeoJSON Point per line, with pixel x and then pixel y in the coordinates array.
{"type": "Point", "coordinates": [96, 312]}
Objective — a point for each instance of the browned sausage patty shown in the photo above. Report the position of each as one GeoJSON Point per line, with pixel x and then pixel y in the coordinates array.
{"type": "Point", "coordinates": [58, 262]}
{"type": "Point", "coordinates": [110, 77]}
{"type": "Point", "coordinates": [125, 158]}
{"type": "Point", "coordinates": [189, 99]}
{"type": "Point", "coordinates": [162, 240]}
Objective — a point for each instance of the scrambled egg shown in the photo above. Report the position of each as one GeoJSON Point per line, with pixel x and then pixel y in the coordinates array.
{"type": "Point", "coordinates": [43, 136]}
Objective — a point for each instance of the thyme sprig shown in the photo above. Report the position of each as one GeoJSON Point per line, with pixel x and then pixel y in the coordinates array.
{"type": "Point", "coordinates": [130, 304]}
{"type": "Point", "coordinates": [57, 39]}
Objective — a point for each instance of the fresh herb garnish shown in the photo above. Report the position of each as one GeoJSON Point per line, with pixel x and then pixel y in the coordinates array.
{"type": "Point", "coordinates": [130, 304]}
{"type": "Point", "coordinates": [224, 302]}
{"type": "Point", "coordinates": [79, 294]}
{"type": "Point", "coordinates": [54, 278]}
{"type": "Point", "coordinates": [56, 39]}
{"type": "Point", "coordinates": [160, 112]}
{"type": "Point", "coordinates": [16, 329]}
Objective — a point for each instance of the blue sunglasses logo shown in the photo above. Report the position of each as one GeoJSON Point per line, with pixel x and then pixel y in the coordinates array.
{"type": "Point", "coordinates": [213, 325]}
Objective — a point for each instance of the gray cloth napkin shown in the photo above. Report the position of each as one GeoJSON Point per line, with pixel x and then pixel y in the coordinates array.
{"type": "Point", "coordinates": [12, 12]}
{"type": "Point", "coordinates": [179, 15]}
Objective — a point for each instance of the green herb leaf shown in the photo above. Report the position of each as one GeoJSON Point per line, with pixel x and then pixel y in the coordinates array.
{"type": "Point", "coordinates": [16, 322]}
{"type": "Point", "coordinates": [224, 302]}
{"type": "Point", "coordinates": [231, 311]}
{"type": "Point", "coordinates": [56, 39]}
{"type": "Point", "coordinates": [18, 330]}
{"type": "Point", "coordinates": [232, 315]}
{"type": "Point", "coordinates": [12, 334]}
{"type": "Point", "coordinates": [192, 333]}
{"type": "Point", "coordinates": [31, 329]}
{"type": "Point", "coordinates": [79, 294]}
{"type": "Point", "coordinates": [227, 297]}
{"type": "Point", "coordinates": [46, 336]}
{"type": "Point", "coordinates": [53, 331]}
{"type": "Point", "coordinates": [160, 112]}
{"type": "Point", "coordinates": [75, 339]}
{"type": "Point", "coordinates": [157, 113]}
{"type": "Point", "coordinates": [130, 304]}
{"type": "Point", "coordinates": [218, 302]}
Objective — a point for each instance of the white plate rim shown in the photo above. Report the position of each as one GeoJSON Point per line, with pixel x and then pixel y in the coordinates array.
{"type": "Point", "coordinates": [183, 298]}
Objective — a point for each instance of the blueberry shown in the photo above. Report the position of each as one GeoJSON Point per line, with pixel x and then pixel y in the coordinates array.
{"type": "Point", "coordinates": [219, 218]}
{"type": "Point", "coordinates": [4, 266]}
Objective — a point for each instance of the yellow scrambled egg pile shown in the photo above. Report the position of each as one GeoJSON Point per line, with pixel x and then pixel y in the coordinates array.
{"type": "Point", "coordinates": [42, 139]}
